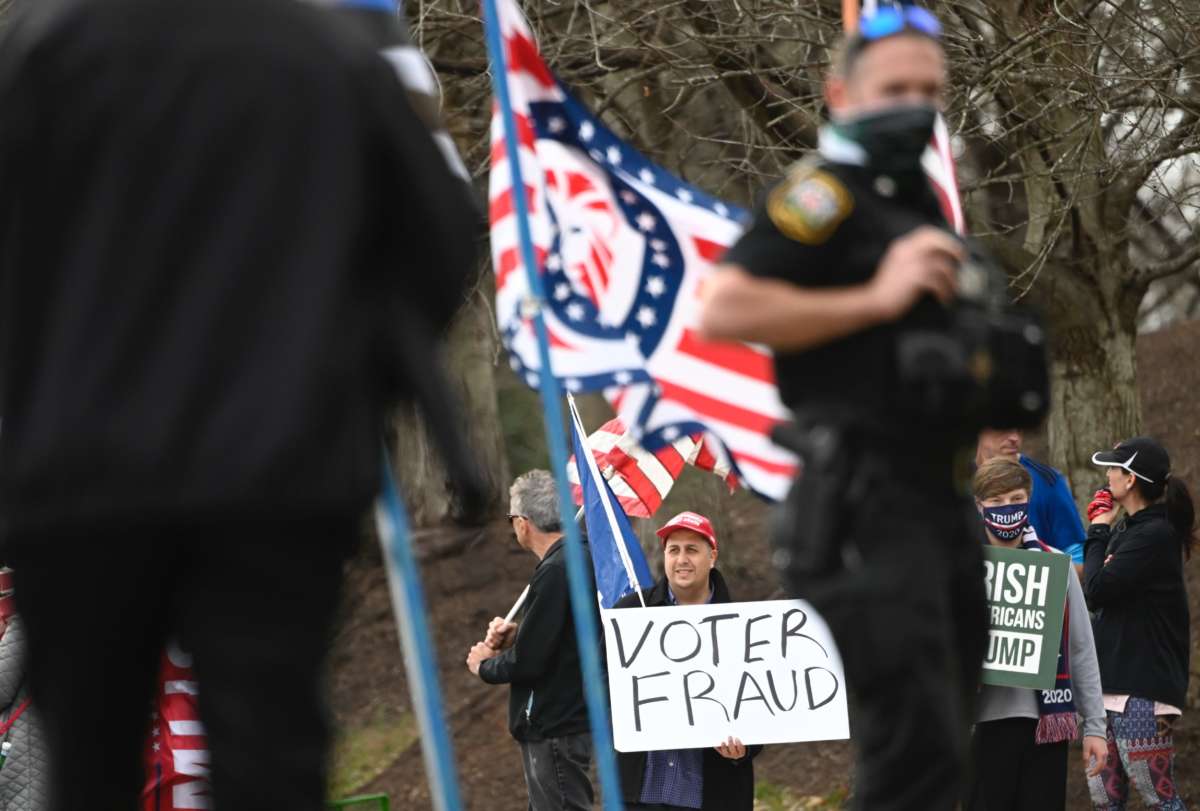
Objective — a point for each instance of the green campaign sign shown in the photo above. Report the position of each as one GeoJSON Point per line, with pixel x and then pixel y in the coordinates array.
{"type": "Point", "coordinates": [1026, 593]}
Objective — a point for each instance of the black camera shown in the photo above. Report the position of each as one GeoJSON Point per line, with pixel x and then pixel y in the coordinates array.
{"type": "Point", "coordinates": [983, 365]}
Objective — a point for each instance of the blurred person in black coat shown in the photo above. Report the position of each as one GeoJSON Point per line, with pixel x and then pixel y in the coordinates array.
{"type": "Point", "coordinates": [225, 242]}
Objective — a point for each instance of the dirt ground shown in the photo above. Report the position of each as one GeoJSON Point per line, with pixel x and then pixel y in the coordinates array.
{"type": "Point", "coordinates": [471, 576]}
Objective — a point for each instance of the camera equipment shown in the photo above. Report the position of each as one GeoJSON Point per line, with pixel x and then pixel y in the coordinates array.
{"type": "Point", "coordinates": [984, 365]}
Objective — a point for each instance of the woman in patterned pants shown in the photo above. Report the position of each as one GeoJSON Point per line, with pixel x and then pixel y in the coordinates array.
{"type": "Point", "coordinates": [1133, 579]}
{"type": "Point", "coordinates": [1141, 752]}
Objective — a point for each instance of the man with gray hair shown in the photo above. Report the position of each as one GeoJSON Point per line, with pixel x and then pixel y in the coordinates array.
{"type": "Point", "coordinates": [539, 659]}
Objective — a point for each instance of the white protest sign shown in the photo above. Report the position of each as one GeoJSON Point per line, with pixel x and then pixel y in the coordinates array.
{"type": "Point", "coordinates": [683, 677]}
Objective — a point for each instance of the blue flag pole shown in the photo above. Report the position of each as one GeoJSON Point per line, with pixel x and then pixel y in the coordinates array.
{"type": "Point", "coordinates": [420, 661]}
{"type": "Point", "coordinates": [583, 599]}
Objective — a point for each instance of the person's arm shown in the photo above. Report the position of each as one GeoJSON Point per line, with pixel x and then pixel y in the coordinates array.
{"type": "Point", "coordinates": [1066, 525]}
{"type": "Point", "coordinates": [736, 305]}
{"type": "Point", "coordinates": [1085, 669]}
{"type": "Point", "coordinates": [1085, 679]}
{"type": "Point", "coordinates": [546, 613]}
{"type": "Point", "coordinates": [1125, 571]}
{"type": "Point", "coordinates": [431, 223]}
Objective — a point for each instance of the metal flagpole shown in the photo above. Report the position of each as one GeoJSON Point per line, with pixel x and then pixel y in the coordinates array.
{"type": "Point", "coordinates": [583, 597]}
{"type": "Point", "coordinates": [420, 662]}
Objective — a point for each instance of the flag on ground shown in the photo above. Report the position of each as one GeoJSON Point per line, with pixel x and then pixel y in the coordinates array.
{"type": "Point", "coordinates": [623, 247]}
{"type": "Point", "coordinates": [617, 557]}
{"type": "Point", "coordinates": [641, 479]}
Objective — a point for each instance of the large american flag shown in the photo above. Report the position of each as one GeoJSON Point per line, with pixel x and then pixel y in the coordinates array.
{"type": "Point", "coordinates": [623, 247]}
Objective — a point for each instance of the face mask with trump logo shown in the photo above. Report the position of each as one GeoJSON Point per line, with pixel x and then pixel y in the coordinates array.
{"type": "Point", "coordinates": [1007, 522]}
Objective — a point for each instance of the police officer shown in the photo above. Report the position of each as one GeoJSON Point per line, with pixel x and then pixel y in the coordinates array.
{"type": "Point", "coordinates": [848, 254]}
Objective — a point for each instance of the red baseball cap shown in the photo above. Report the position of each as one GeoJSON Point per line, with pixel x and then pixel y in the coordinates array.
{"type": "Point", "coordinates": [689, 520]}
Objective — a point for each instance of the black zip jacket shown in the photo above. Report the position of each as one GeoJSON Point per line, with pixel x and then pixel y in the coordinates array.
{"type": "Point", "coordinates": [1141, 623]}
{"type": "Point", "coordinates": [222, 230]}
{"type": "Point", "coordinates": [728, 784]}
{"type": "Point", "coordinates": [542, 665]}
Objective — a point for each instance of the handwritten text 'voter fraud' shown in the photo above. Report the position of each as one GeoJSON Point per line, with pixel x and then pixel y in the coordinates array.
{"type": "Point", "coordinates": [690, 676]}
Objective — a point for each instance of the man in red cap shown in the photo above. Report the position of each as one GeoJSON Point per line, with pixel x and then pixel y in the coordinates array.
{"type": "Point", "coordinates": [718, 778]}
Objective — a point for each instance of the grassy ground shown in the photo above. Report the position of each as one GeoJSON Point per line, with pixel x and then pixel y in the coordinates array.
{"type": "Point", "coordinates": [361, 754]}
{"type": "Point", "coordinates": [771, 797]}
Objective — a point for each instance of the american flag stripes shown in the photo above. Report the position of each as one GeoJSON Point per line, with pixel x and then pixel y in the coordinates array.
{"type": "Point", "coordinates": [623, 247]}
{"type": "Point", "coordinates": [638, 478]}
{"type": "Point", "coordinates": [938, 162]}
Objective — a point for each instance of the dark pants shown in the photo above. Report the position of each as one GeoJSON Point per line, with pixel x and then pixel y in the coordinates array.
{"type": "Point", "coordinates": [906, 605]}
{"type": "Point", "coordinates": [253, 603]}
{"type": "Point", "coordinates": [556, 773]}
{"type": "Point", "coordinates": [1009, 770]}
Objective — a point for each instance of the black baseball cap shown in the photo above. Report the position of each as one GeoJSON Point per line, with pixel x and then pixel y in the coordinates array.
{"type": "Point", "coordinates": [1141, 456]}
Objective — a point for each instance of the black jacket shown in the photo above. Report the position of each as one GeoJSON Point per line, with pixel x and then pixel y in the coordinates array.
{"type": "Point", "coordinates": [546, 697]}
{"type": "Point", "coordinates": [1141, 623]}
{"type": "Point", "coordinates": [728, 784]}
{"type": "Point", "coordinates": [221, 227]}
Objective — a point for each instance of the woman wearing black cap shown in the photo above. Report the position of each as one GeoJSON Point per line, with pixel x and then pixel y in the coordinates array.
{"type": "Point", "coordinates": [1133, 579]}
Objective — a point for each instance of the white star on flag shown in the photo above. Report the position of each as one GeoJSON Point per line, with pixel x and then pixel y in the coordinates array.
{"type": "Point", "coordinates": [586, 131]}
{"type": "Point", "coordinates": [553, 262]}
{"type": "Point", "coordinates": [646, 221]}
{"type": "Point", "coordinates": [629, 197]}
{"type": "Point", "coordinates": [647, 176]}
{"type": "Point", "coordinates": [575, 311]}
{"type": "Point", "coordinates": [670, 433]}
{"type": "Point", "coordinates": [531, 380]}
{"type": "Point", "coordinates": [514, 364]}
{"type": "Point", "coordinates": [658, 245]}
{"type": "Point", "coordinates": [557, 124]}
{"type": "Point", "coordinates": [614, 155]}
{"type": "Point", "coordinates": [721, 209]}
{"type": "Point", "coordinates": [156, 746]}
{"type": "Point", "coordinates": [661, 260]}
{"type": "Point", "coordinates": [655, 286]}
{"type": "Point", "coordinates": [573, 384]}
{"type": "Point", "coordinates": [646, 317]}
{"type": "Point", "coordinates": [622, 378]}
{"type": "Point", "coordinates": [684, 195]}
{"type": "Point", "coordinates": [562, 291]}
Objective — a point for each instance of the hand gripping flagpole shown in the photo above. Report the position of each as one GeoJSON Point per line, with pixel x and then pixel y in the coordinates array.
{"type": "Point", "coordinates": [583, 598]}
{"type": "Point", "coordinates": [420, 664]}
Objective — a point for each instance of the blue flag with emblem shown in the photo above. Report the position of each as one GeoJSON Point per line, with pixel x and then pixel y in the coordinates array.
{"type": "Point", "coordinates": [617, 557]}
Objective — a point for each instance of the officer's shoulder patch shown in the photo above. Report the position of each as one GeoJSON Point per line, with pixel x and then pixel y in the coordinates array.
{"type": "Point", "coordinates": [809, 204]}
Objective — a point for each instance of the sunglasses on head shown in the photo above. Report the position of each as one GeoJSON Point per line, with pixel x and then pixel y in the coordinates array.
{"type": "Point", "coordinates": [892, 20]}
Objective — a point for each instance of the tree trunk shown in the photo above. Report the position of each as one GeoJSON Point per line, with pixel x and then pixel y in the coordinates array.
{"type": "Point", "coordinates": [1093, 372]}
{"type": "Point", "coordinates": [470, 357]}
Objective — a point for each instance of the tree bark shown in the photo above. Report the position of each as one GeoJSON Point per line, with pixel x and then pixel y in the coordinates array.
{"type": "Point", "coordinates": [1093, 365]}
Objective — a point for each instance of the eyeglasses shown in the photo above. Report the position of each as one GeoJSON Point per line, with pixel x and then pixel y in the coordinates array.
{"type": "Point", "coordinates": [511, 516]}
{"type": "Point", "coordinates": [892, 20]}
